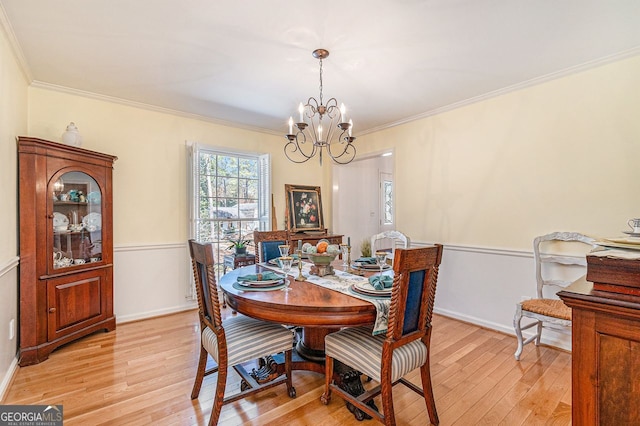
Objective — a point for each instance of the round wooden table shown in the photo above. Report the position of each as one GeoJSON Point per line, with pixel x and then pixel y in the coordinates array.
{"type": "Point", "coordinates": [318, 310]}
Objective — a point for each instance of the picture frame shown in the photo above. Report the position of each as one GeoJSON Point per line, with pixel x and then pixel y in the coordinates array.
{"type": "Point", "coordinates": [304, 208]}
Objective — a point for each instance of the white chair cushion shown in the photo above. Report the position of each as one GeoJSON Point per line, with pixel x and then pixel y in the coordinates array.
{"type": "Point", "coordinates": [248, 338]}
{"type": "Point", "coordinates": [357, 348]}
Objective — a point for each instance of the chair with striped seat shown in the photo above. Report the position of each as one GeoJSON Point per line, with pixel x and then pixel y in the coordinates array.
{"type": "Point", "coordinates": [267, 242]}
{"type": "Point", "coordinates": [389, 357]}
{"type": "Point", "coordinates": [546, 310]}
{"type": "Point", "coordinates": [235, 340]}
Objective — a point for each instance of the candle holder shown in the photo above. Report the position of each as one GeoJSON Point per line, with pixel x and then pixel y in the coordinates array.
{"type": "Point", "coordinates": [300, 277]}
{"type": "Point", "coordinates": [349, 268]}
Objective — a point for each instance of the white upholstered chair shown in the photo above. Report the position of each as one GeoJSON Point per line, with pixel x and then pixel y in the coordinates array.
{"type": "Point", "coordinates": [389, 240]}
{"type": "Point", "coordinates": [235, 340]}
{"type": "Point", "coordinates": [553, 273]}
{"type": "Point", "coordinates": [404, 347]}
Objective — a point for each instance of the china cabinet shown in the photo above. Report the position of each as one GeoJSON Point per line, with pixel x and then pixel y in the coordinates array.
{"type": "Point", "coordinates": [66, 245]}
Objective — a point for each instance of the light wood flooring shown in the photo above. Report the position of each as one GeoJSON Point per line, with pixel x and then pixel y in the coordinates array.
{"type": "Point", "coordinates": [142, 374]}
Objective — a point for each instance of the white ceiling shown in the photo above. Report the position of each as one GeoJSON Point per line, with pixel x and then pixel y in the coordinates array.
{"type": "Point", "coordinates": [249, 63]}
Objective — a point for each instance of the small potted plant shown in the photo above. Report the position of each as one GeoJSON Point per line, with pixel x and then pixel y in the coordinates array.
{"type": "Point", "coordinates": [239, 244]}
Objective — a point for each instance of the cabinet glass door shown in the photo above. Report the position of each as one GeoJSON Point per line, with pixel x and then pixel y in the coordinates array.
{"type": "Point", "coordinates": [77, 220]}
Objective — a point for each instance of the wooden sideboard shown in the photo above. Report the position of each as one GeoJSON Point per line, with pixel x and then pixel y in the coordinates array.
{"type": "Point", "coordinates": [606, 343]}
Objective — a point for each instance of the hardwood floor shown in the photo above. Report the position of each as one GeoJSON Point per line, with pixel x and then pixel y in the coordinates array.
{"type": "Point", "coordinates": [142, 374]}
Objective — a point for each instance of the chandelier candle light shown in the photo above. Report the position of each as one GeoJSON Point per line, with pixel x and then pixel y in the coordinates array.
{"type": "Point", "coordinates": [314, 134]}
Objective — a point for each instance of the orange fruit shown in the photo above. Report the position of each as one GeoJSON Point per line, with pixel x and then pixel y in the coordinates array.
{"type": "Point", "coordinates": [322, 246]}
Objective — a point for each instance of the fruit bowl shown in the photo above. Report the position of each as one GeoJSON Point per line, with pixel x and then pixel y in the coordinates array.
{"type": "Point", "coordinates": [319, 259]}
{"type": "Point", "coordinates": [321, 264]}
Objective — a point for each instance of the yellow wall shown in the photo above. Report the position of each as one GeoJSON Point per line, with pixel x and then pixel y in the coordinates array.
{"type": "Point", "coordinates": [150, 175]}
{"type": "Point", "coordinates": [13, 121]}
{"type": "Point", "coordinates": [562, 156]}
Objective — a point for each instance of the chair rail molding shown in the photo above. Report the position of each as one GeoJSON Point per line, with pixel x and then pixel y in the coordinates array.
{"type": "Point", "coordinates": [9, 265]}
{"type": "Point", "coordinates": [481, 285]}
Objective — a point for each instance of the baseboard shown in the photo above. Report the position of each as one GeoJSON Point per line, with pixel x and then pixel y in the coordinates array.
{"type": "Point", "coordinates": [8, 378]}
{"type": "Point", "coordinates": [122, 319]}
{"type": "Point", "coordinates": [560, 343]}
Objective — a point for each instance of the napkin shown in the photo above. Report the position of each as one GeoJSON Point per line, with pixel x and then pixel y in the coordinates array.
{"type": "Point", "coordinates": [380, 282]}
{"type": "Point", "coordinates": [367, 260]}
{"type": "Point", "coordinates": [267, 275]}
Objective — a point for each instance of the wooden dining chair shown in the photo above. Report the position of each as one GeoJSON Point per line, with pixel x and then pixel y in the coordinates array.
{"type": "Point", "coordinates": [405, 346]}
{"type": "Point", "coordinates": [234, 341]}
{"type": "Point", "coordinates": [267, 242]}
{"type": "Point", "coordinates": [546, 310]}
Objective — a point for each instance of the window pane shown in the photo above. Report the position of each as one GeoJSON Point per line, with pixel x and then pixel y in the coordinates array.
{"type": "Point", "coordinates": [388, 202]}
{"type": "Point", "coordinates": [227, 166]}
{"type": "Point", "coordinates": [249, 168]}
{"type": "Point", "coordinates": [207, 164]}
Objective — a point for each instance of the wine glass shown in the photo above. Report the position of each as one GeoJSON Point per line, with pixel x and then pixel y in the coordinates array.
{"type": "Point", "coordinates": [285, 263]}
{"type": "Point", "coordinates": [284, 250]}
{"type": "Point", "coordinates": [381, 259]}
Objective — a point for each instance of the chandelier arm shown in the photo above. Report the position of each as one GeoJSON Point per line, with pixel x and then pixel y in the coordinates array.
{"type": "Point", "coordinates": [295, 145]}
{"type": "Point", "coordinates": [332, 108]}
{"type": "Point", "coordinates": [349, 153]}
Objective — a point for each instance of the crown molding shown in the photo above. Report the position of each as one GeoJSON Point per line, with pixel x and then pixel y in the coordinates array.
{"type": "Point", "coordinates": [515, 87]}
{"type": "Point", "coordinates": [15, 46]}
{"type": "Point", "coordinates": [149, 107]}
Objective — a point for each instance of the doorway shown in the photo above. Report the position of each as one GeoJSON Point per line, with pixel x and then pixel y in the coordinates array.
{"type": "Point", "coordinates": [358, 202]}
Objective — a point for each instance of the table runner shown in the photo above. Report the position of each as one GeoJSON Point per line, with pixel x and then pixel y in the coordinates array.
{"type": "Point", "coordinates": [342, 282]}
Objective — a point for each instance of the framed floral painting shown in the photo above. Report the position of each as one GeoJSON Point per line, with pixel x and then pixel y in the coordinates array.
{"type": "Point", "coordinates": [304, 208]}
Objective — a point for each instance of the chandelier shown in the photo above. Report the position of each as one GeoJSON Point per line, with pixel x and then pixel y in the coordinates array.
{"type": "Point", "coordinates": [321, 127]}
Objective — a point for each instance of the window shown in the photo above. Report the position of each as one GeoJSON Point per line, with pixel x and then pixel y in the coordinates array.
{"type": "Point", "coordinates": [387, 201]}
{"type": "Point", "coordinates": [229, 196]}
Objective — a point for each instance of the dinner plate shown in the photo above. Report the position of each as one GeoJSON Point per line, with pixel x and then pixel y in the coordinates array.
{"type": "Point", "coordinates": [626, 240]}
{"type": "Point", "coordinates": [93, 197]}
{"type": "Point", "coordinates": [371, 267]}
{"type": "Point", "coordinates": [274, 262]}
{"type": "Point", "coordinates": [92, 220]}
{"type": "Point", "coordinates": [243, 287]}
{"type": "Point", "coordinates": [367, 289]}
{"type": "Point", "coordinates": [613, 244]}
{"type": "Point", "coordinates": [60, 220]}
{"type": "Point", "coordinates": [263, 283]}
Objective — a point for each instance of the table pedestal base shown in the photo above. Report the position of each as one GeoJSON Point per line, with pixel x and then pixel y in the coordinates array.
{"type": "Point", "coordinates": [310, 346]}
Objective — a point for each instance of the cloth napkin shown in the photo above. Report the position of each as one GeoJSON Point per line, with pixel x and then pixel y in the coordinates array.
{"type": "Point", "coordinates": [267, 275]}
{"type": "Point", "coordinates": [380, 282]}
{"type": "Point", "coordinates": [367, 260]}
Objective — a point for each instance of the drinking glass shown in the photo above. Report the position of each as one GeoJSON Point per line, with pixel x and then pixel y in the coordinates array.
{"type": "Point", "coordinates": [285, 263]}
{"type": "Point", "coordinates": [345, 253]}
{"type": "Point", "coordinates": [381, 259]}
{"type": "Point", "coordinates": [284, 250]}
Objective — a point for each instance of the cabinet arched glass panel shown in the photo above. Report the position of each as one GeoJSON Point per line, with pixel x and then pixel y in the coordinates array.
{"type": "Point", "coordinates": [77, 220]}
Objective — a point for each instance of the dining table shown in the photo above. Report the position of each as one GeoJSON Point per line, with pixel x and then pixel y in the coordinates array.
{"type": "Point", "coordinates": [315, 309]}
